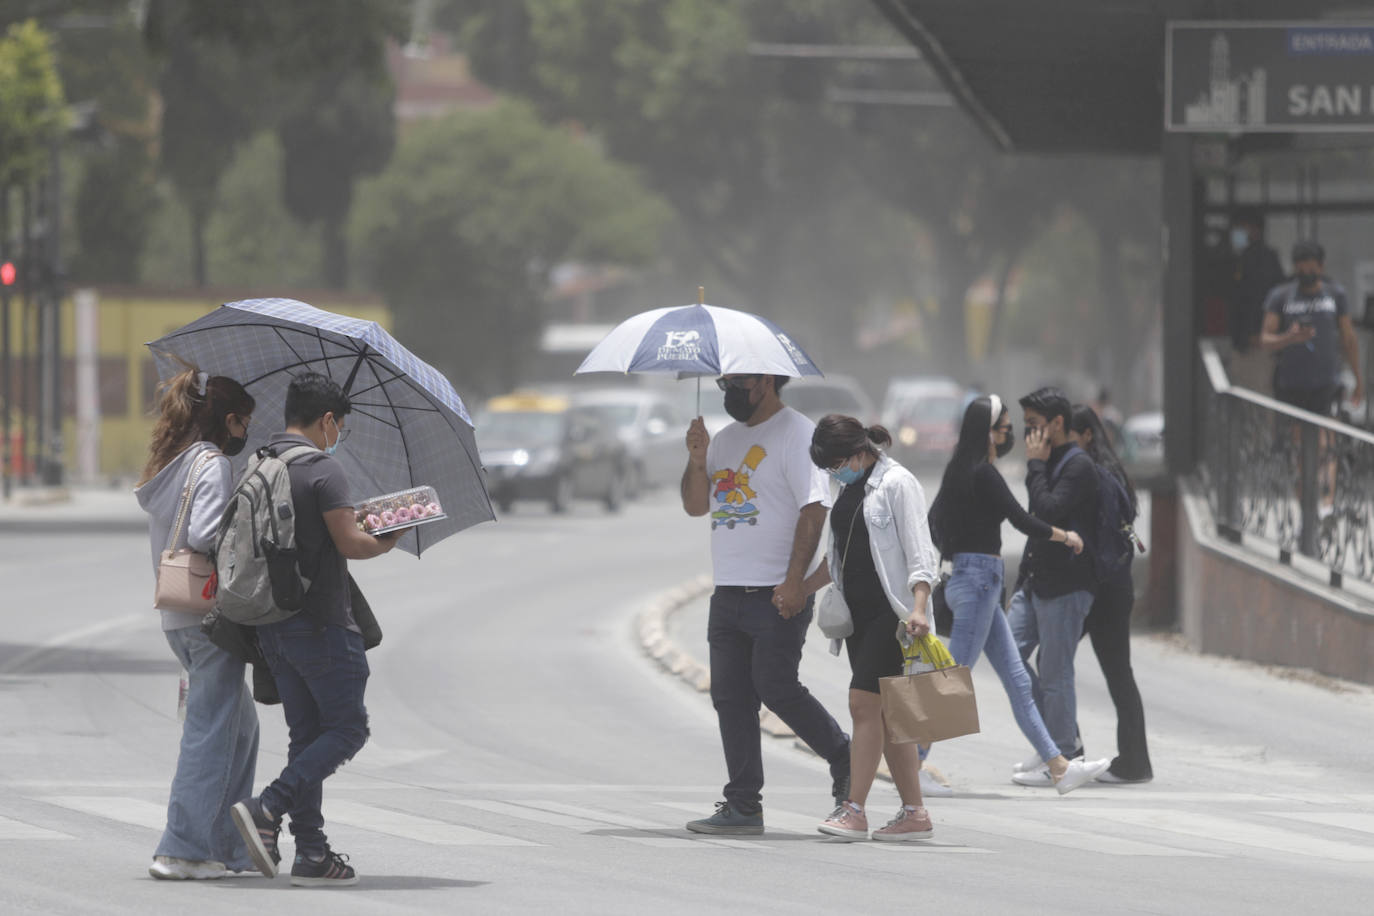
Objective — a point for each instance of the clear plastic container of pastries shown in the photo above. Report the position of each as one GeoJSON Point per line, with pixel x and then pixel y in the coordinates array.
{"type": "Point", "coordinates": [402, 509]}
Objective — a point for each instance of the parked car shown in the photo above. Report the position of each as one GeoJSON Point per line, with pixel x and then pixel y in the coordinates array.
{"type": "Point", "coordinates": [539, 446]}
{"type": "Point", "coordinates": [923, 413]}
{"type": "Point", "coordinates": [650, 426]}
{"type": "Point", "coordinates": [815, 396]}
{"type": "Point", "coordinates": [1142, 441]}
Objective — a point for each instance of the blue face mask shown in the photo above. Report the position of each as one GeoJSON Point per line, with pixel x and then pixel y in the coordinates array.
{"type": "Point", "coordinates": [846, 475]}
{"type": "Point", "coordinates": [331, 449]}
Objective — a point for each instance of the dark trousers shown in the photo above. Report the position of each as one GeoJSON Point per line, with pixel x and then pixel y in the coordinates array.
{"type": "Point", "coordinates": [1109, 627]}
{"type": "Point", "coordinates": [754, 657]}
{"type": "Point", "coordinates": [321, 674]}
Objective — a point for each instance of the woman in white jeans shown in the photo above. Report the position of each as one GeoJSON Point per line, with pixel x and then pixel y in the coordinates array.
{"type": "Point", "coordinates": [967, 518]}
{"type": "Point", "coordinates": [201, 420]}
{"type": "Point", "coordinates": [884, 568]}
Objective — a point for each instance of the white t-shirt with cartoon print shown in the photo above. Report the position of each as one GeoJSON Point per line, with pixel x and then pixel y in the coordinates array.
{"type": "Point", "coordinates": [761, 477]}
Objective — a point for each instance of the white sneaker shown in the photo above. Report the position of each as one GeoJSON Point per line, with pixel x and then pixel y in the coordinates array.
{"type": "Point", "coordinates": [1036, 779]}
{"type": "Point", "coordinates": [932, 787]}
{"type": "Point", "coordinates": [170, 868]}
{"type": "Point", "coordinates": [1079, 773]}
{"type": "Point", "coordinates": [1033, 762]}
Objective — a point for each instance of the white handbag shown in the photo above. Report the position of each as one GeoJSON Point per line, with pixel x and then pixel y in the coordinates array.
{"type": "Point", "coordinates": [832, 613]}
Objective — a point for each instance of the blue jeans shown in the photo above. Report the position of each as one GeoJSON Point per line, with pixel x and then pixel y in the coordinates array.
{"type": "Point", "coordinates": [321, 674]}
{"type": "Point", "coordinates": [219, 750]}
{"type": "Point", "coordinates": [974, 593]}
{"type": "Point", "coordinates": [754, 657]}
{"type": "Point", "coordinates": [1055, 625]}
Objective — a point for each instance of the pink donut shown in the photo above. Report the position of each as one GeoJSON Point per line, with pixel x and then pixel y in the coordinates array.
{"type": "Point", "coordinates": [372, 521]}
{"type": "Point", "coordinates": [388, 518]}
{"type": "Point", "coordinates": [404, 514]}
{"type": "Point", "coordinates": [432, 509]}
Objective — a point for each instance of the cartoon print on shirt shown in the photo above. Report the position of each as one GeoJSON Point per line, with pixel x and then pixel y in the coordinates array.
{"type": "Point", "coordinates": [732, 493]}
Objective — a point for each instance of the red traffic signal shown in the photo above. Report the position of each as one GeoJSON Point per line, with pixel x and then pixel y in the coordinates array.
{"type": "Point", "coordinates": [7, 273]}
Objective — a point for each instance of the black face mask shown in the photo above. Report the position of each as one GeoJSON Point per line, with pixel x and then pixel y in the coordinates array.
{"type": "Point", "coordinates": [233, 445]}
{"type": "Point", "coordinates": [737, 404]}
{"type": "Point", "coordinates": [1004, 447]}
{"type": "Point", "coordinates": [1307, 281]}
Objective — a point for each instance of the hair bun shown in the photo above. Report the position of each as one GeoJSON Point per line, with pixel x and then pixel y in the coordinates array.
{"type": "Point", "coordinates": [878, 435]}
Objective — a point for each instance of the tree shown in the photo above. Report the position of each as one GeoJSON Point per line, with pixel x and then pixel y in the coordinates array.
{"type": "Point", "coordinates": [234, 68]}
{"type": "Point", "coordinates": [461, 229]}
{"type": "Point", "coordinates": [339, 127]}
{"type": "Point", "coordinates": [31, 103]}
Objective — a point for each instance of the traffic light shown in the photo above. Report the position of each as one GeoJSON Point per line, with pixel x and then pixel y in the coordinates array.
{"type": "Point", "coordinates": [7, 273]}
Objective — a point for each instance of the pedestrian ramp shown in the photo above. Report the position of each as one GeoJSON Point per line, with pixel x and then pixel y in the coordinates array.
{"type": "Point", "coordinates": [1333, 831]}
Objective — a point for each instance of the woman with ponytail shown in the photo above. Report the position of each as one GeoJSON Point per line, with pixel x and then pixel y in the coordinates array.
{"type": "Point", "coordinates": [966, 519]}
{"type": "Point", "coordinates": [201, 420]}
{"type": "Point", "coordinates": [1109, 622]}
{"type": "Point", "coordinates": [884, 568]}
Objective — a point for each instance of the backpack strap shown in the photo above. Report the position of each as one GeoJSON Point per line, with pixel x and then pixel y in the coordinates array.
{"type": "Point", "coordinates": [1063, 460]}
{"type": "Point", "coordinates": [297, 452]}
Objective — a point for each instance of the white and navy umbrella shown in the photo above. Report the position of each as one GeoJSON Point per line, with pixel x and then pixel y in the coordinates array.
{"type": "Point", "coordinates": [699, 340]}
{"type": "Point", "coordinates": [408, 426]}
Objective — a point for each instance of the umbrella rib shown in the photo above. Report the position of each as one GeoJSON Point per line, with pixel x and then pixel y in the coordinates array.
{"type": "Point", "coordinates": [405, 446]}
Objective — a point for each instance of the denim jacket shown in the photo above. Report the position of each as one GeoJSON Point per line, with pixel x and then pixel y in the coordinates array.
{"type": "Point", "coordinates": [895, 514]}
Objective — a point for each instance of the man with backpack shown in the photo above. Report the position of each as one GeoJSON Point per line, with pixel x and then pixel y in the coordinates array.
{"type": "Point", "coordinates": [1055, 587]}
{"type": "Point", "coordinates": [315, 654]}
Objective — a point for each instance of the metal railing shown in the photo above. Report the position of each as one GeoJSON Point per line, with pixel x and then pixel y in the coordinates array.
{"type": "Point", "coordinates": [1286, 481]}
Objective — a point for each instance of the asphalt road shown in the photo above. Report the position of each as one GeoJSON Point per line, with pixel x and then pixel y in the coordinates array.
{"type": "Point", "coordinates": [527, 758]}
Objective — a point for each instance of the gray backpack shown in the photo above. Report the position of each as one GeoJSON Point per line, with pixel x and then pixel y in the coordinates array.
{"type": "Point", "coordinates": [255, 548]}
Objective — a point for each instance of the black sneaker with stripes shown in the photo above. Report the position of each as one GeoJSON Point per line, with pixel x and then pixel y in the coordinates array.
{"type": "Point", "coordinates": [259, 832]}
{"type": "Point", "coordinates": [331, 870]}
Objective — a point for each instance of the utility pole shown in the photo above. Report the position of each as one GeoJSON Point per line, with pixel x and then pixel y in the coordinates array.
{"type": "Point", "coordinates": [7, 277]}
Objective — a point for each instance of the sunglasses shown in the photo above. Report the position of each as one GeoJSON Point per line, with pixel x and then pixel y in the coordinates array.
{"type": "Point", "coordinates": [738, 381]}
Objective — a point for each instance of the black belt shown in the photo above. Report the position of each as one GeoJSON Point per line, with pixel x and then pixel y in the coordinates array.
{"type": "Point", "coordinates": [745, 588]}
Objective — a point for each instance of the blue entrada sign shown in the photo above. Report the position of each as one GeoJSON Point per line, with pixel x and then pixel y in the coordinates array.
{"type": "Point", "coordinates": [1226, 77]}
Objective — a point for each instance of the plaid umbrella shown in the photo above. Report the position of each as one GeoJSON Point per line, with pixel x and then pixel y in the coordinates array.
{"type": "Point", "coordinates": [409, 427]}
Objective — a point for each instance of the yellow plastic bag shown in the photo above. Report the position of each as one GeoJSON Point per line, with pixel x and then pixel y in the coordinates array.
{"type": "Point", "coordinates": [924, 654]}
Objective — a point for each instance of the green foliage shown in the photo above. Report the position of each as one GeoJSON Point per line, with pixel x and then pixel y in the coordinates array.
{"type": "Point", "coordinates": [460, 230]}
{"type": "Point", "coordinates": [251, 240]}
{"type": "Point", "coordinates": [338, 126]}
{"type": "Point", "coordinates": [31, 106]}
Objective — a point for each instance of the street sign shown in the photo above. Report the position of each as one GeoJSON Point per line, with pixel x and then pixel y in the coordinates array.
{"type": "Point", "coordinates": [1269, 77]}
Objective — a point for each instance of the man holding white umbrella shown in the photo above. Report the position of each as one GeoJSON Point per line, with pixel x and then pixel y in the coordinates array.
{"type": "Point", "coordinates": [768, 504]}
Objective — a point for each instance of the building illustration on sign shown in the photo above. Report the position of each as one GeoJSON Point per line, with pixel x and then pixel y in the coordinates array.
{"type": "Point", "coordinates": [1228, 101]}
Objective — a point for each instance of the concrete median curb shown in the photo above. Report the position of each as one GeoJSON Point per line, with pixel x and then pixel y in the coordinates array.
{"type": "Point", "coordinates": [651, 628]}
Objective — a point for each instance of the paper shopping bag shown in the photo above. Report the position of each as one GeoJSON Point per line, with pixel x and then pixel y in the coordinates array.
{"type": "Point", "coordinates": [931, 706]}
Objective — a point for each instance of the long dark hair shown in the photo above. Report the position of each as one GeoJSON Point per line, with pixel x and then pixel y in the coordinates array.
{"type": "Point", "coordinates": [956, 486]}
{"type": "Point", "coordinates": [185, 415]}
{"type": "Point", "coordinates": [838, 438]}
{"type": "Point", "coordinates": [1100, 449]}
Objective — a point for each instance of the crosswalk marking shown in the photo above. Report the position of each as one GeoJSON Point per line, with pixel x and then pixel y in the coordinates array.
{"type": "Point", "coordinates": [11, 829]}
{"type": "Point", "coordinates": [1348, 820]}
{"type": "Point", "coordinates": [410, 827]}
{"type": "Point", "coordinates": [1232, 831]}
{"type": "Point", "coordinates": [538, 815]}
{"type": "Point", "coordinates": [1038, 830]}
{"type": "Point", "coordinates": [774, 819]}
{"type": "Point", "coordinates": [134, 811]}
{"type": "Point", "coordinates": [603, 820]}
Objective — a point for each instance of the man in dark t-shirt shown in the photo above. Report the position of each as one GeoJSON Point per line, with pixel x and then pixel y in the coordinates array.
{"type": "Point", "coordinates": [316, 656]}
{"type": "Point", "coordinates": [1307, 322]}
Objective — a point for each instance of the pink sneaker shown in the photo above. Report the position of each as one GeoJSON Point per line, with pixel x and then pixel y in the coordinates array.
{"type": "Point", "coordinates": [848, 821]}
{"type": "Point", "coordinates": [909, 824]}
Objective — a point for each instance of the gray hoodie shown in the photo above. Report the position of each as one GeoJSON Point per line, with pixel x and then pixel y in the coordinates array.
{"type": "Point", "coordinates": [160, 498]}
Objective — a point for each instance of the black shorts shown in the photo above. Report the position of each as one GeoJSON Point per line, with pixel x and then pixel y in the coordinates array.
{"type": "Point", "coordinates": [873, 649]}
{"type": "Point", "coordinates": [1318, 400]}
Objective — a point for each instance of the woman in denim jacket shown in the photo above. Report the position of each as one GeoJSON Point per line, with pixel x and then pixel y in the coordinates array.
{"type": "Point", "coordinates": [201, 420]}
{"type": "Point", "coordinates": [884, 568]}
